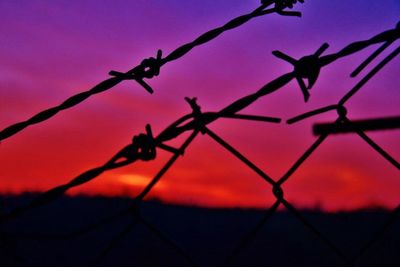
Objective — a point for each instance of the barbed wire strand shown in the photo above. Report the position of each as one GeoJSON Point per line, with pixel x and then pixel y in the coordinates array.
{"type": "Point", "coordinates": [370, 59]}
{"type": "Point", "coordinates": [134, 207]}
{"type": "Point", "coordinates": [375, 70]}
{"type": "Point", "coordinates": [147, 69]}
{"type": "Point", "coordinates": [203, 119]}
{"type": "Point", "coordinates": [133, 210]}
{"type": "Point", "coordinates": [347, 97]}
{"type": "Point", "coordinates": [374, 55]}
{"type": "Point", "coordinates": [291, 208]}
{"type": "Point", "coordinates": [173, 132]}
{"type": "Point", "coordinates": [238, 105]}
{"type": "Point", "coordinates": [342, 118]}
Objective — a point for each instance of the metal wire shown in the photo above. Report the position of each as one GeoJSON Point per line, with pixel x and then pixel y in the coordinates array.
{"type": "Point", "coordinates": [147, 69]}
{"type": "Point", "coordinates": [144, 146]}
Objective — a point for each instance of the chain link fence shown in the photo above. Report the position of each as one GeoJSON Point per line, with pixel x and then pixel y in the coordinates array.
{"type": "Point", "coordinates": [144, 146]}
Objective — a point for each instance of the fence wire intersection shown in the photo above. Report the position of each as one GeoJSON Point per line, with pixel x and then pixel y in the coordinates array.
{"type": "Point", "coordinates": [144, 146]}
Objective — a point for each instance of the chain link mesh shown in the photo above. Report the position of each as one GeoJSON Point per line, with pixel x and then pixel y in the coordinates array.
{"type": "Point", "coordinates": [144, 146]}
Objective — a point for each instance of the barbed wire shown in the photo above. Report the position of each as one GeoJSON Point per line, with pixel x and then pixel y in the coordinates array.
{"type": "Point", "coordinates": [144, 147]}
{"type": "Point", "coordinates": [278, 191]}
{"type": "Point", "coordinates": [150, 67]}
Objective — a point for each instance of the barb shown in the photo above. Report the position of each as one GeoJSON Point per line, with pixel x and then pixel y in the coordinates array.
{"type": "Point", "coordinates": [307, 67]}
{"type": "Point", "coordinates": [147, 69]}
{"type": "Point", "coordinates": [144, 146]}
{"type": "Point", "coordinates": [281, 5]}
{"type": "Point", "coordinates": [340, 105]}
{"type": "Point", "coordinates": [132, 208]}
{"type": "Point", "coordinates": [150, 67]}
{"type": "Point", "coordinates": [343, 124]}
{"type": "Point", "coordinates": [146, 149]}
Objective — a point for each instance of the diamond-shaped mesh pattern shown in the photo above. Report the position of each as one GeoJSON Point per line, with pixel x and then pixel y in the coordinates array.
{"type": "Point", "coordinates": [144, 146]}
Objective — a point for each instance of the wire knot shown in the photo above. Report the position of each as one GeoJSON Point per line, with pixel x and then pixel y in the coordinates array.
{"type": "Point", "coordinates": [278, 192]}
{"type": "Point", "coordinates": [197, 114]}
{"type": "Point", "coordinates": [307, 67]}
{"type": "Point", "coordinates": [342, 112]}
{"type": "Point", "coordinates": [280, 6]}
{"type": "Point", "coordinates": [144, 146]}
{"type": "Point", "coordinates": [148, 68]}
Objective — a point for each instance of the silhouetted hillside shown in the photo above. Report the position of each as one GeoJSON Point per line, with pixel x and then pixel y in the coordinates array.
{"type": "Point", "coordinates": [208, 236]}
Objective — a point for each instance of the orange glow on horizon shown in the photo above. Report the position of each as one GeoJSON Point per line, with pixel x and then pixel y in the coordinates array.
{"type": "Point", "coordinates": [49, 56]}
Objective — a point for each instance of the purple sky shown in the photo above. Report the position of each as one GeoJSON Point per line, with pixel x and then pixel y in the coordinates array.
{"type": "Point", "coordinates": [50, 50]}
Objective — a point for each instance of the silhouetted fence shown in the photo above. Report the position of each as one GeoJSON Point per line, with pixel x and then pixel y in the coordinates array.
{"type": "Point", "coordinates": [145, 145]}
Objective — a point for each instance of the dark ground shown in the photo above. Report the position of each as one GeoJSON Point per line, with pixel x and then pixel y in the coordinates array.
{"type": "Point", "coordinates": [208, 236]}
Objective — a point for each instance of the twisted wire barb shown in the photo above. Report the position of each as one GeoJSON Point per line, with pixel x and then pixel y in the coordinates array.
{"type": "Point", "coordinates": [147, 69]}
{"type": "Point", "coordinates": [131, 209]}
{"type": "Point", "coordinates": [344, 122]}
{"type": "Point", "coordinates": [277, 189]}
{"type": "Point", "coordinates": [144, 145]}
{"type": "Point", "coordinates": [342, 110]}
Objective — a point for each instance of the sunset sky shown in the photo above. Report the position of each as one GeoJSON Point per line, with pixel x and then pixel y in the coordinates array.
{"type": "Point", "coordinates": [51, 50]}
